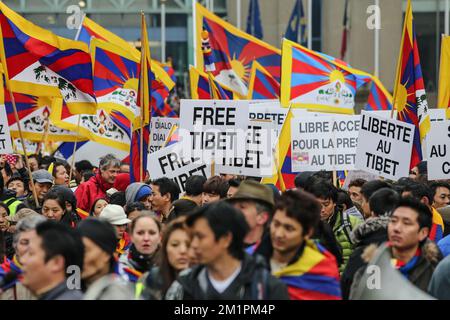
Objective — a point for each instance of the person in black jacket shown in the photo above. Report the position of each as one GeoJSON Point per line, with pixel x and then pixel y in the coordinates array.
{"type": "Point", "coordinates": [372, 231]}
{"type": "Point", "coordinates": [225, 271]}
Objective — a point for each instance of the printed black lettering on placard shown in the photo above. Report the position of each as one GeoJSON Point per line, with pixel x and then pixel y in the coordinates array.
{"type": "Point", "coordinates": [215, 116]}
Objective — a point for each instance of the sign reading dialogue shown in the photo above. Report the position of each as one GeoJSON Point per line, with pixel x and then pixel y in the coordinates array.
{"type": "Point", "coordinates": [438, 147]}
{"type": "Point", "coordinates": [324, 143]}
{"type": "Point", "coordinates": [169, 162]}
{"type": "Point", "coordinates": [384, 146]}
{"type": "Point", "coordinates": [159, 131]}
{"type": "Point", "coordinates": [5, 135]}
{"type": "Point", "coordinates": [214, 130]}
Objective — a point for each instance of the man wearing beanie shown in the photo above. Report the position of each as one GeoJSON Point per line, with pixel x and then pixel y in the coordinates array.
{"type": "Point", "coordinates": [99, 239]}
{"type": "Point", "coordinates": [138, 192]}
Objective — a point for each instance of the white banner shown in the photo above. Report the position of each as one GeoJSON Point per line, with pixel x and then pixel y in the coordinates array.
{"type": "Point", "coordinates": [169, 162]}
{"type": "Point", "coordinates": [213, 129]}
{"type": "Point", "coordinates": [327, 142]}
{"type": "Point", "coordinates": [159, 131]}
{"type": "Point", "coordinates": [5, 135]}
{"type": "Point", "coordinates": [384, 146]}
{"type": "Point", "coordinates": [438, 144]}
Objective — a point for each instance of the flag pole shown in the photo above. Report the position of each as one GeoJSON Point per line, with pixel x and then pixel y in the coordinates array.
{"type": "Point", "coordinates": [238, 13]}
{"type": "Point", "coordinates": [163, 31]}
{"type": "Point", "coordinates": [27, 161]}
{"type": "Point", "coordinates": [399, 63]}
{"type": "Point", "coordinates": [377, 47]}
{"type": "Point", "coordinates": [141, 142]}
{"type": "Point", "coordinates": [194, 31]}
{"type": "Point", "coordinates": [75, 149]}
{"type": "Point", "coordinates": [310, 24]}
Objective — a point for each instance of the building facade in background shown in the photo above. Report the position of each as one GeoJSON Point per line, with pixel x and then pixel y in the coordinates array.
{"type": "Point", "coordinates": [121, 17]}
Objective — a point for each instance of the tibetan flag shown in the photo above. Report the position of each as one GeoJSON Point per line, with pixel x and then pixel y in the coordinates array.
{"type": "Point", "coordinates": [410, 99]}
{"type": "Point", "coordinates": [89, 29]}
{"type": "Point", "coordinates": [254, 26]}
{"type": "Point", "coordinates": [444, 76]}
{"type": "Point", "coordinates": [34, 118]}
{"type": "Point", "coordinates": [283, 177]}
{"type": "Point", "coordinates": [296, 28]}
{"type": "Point", "coordinates": [262, 84]}
{"type": "Point", "coordinates": [37, 62]}
{"type": "Point", "coordinates": [110, 128]}
{"type": "Point", "coordinates": [437, 227]}
{"type": "Point", "coordinates": [115, 78]}
{"type": "Point", "coordinates": [379, 98]}
{"type": "Point", "coordinates": [312, 81]}
{"type": "Point", "coordinates": [314, 276]}
{"type": "Point", "coordinates": [201, 87]}
{"type": "Point", "coordinates": [140, 136]}
{"type": "Point", "coordinates": [234, 52]}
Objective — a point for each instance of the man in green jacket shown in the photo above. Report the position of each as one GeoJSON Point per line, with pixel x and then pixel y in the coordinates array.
{"type": "Point", "coordinates": [341, 223]}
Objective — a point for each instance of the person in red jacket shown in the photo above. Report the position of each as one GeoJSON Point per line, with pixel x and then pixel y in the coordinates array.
{"type": "Point", "coordinates": [97, 186]}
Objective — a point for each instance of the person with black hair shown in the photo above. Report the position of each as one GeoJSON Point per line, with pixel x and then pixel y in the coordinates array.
{"type": "Point", "coordinates": [302, 180]}
{"type": "Point", "coordinates": [60, 174]}
{"type": "Point", "coordinates": [371, 231]}
{"type": "Point", "coordinates": [8, 197]}
{"type": "Point", "coordinates": [134, 209]}
{"type": "Point", "coordinates": [354, 190]}
{"type": "Point", "coordinates": [341, 222]}
{"type": "Point", "coordinates": [194, 189]}
{"type": "Point", "coordinates": [225, 271]}
{"type": "Point", "coordinates": [233, 185]}
{"type": "Point", "coordinates": [80, 168]}
{"type": "Point", "coordinates": [17, 184]}
{"type": "Point", "coordinates": [413, 254]}
{"type": "Point", "coordinates": [60, 205]}
{"type": "Point", "coordinates": [98, 207]}
{"type": "Point", "coordinates": [420, 172]}
{"type": "Point", "coordinates": [367, 190]}
{"type": "Point", "coordinates": [118, 198]}
{"type": "Point", "coordinates": [164, 193]}
{"type": "Point", "coordinates": [214, 189]}
{"type": "Point", "coordinates": [441, 194]}
{"type": "Point", "coordinates": [33, 160]}
{"type": "Point", "coordinates": [55, 252]}
{"type": "Point", "coordinates": [423, 193]}
{"type": "Point", "coordinates": [296, 218]}
{"type": "Point", "coordinates": [101, 282]}
{"type": "Point", "coordinates": [346, 204]}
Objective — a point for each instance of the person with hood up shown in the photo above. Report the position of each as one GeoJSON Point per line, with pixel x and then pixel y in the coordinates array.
{"type": "Point", "coordinates": [139, 192]}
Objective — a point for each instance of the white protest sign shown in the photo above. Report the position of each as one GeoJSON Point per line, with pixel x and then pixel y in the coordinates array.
{"type": "Point", "coordinates": [159, 130]}
{"type": "Point", "coordinates": [5, 135]}
{"type": "Point", "coordinates": [213, 129]}
{"type": "Point", "coordinates": [259, 155]}
{"type": "Point", "coordinates": [169, 162]}
{"type": "Point", "coordinates": [384, 146]}
{"type": "Point", "coordinates": [437, 114]}
{"type": "Point", "coordinates": [327, 142]}
{"type": "Point", "coordinates": [438, 143]}
{"type": "Point", "coordinates": [358, 174]}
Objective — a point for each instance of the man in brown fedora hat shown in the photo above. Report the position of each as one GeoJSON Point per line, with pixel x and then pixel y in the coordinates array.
{"type": "Point", "coordinates": [257, 203]}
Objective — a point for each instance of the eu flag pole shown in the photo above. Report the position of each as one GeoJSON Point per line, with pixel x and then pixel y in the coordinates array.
{"type": "Point", "coordinates": [254, 26]}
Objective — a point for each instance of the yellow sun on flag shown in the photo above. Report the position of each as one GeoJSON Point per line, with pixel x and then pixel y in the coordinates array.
{"type": "Point", "coordinates": [337, 75]}
{"type": "Point", "coordinates": [131, 83]}
{"type": "Point", "coordinates": [401, 100]}
{"type": "Point", "coordinates": [42, 102]}
{"type": "Point", "coordinates": [240, 68]}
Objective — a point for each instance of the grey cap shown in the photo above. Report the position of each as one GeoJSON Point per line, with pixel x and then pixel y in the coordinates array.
{"type": "Point", "coordinates": [42, 176]}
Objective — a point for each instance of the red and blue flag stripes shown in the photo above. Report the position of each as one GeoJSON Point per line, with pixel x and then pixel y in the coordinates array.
{"type": "Point", "coordinates": [29, 48]}
{"type": "Point", "coordinates": [262, 84]}
{"type": "Point", "coordinates": [315, 276]}
{"type": "Point", "coordinates": [234, 49]}
{"type": "Point", "coordinates": [410, 96]}
{"type": "Point", "coordinates": [378, 99]}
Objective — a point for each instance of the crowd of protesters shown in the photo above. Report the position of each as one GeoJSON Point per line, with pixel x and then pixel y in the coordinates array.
{"type": "Point", "coordinates": [88, 233]}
